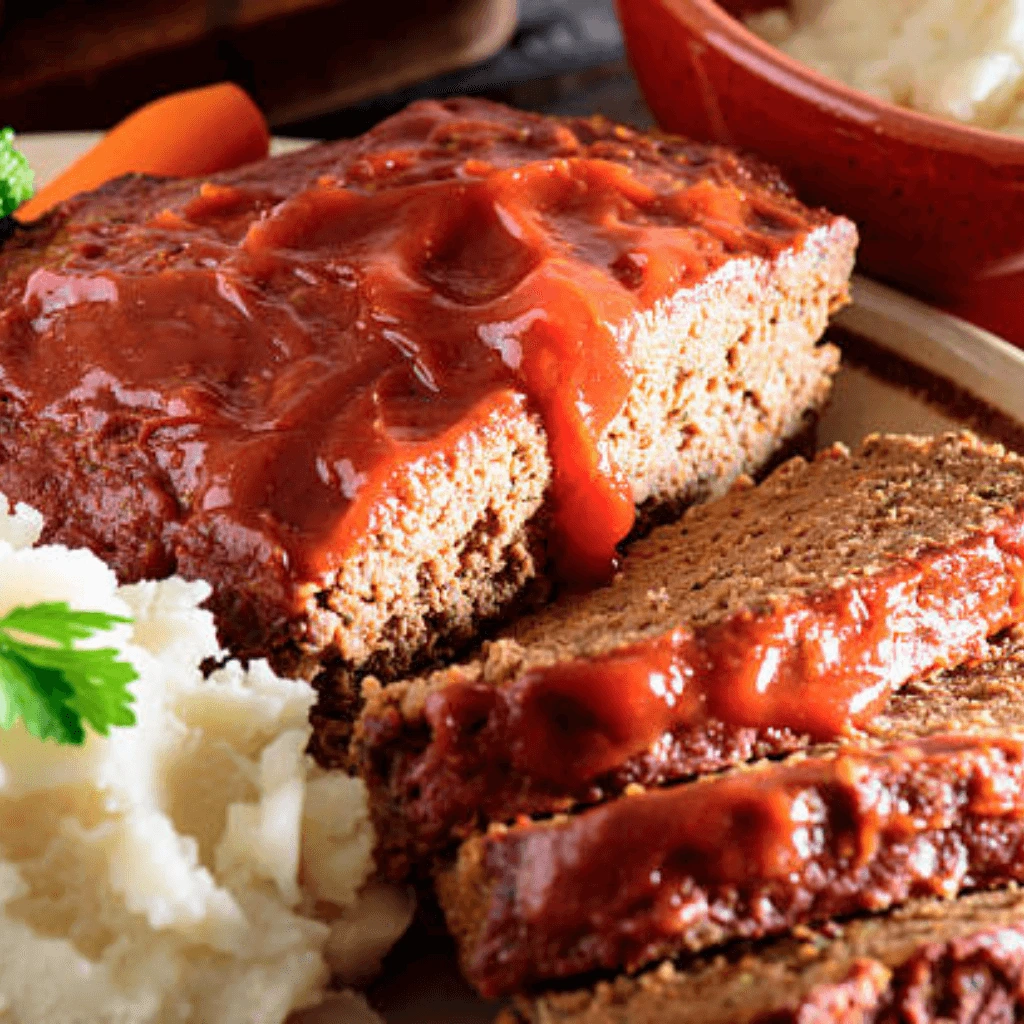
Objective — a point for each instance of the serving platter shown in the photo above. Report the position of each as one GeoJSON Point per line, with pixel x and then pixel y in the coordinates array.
{"type": "Point", "coordinates": [907, 368]}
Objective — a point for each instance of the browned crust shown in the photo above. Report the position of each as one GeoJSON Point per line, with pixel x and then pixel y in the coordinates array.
{"type": "Point", "coordinates": [933, 962]}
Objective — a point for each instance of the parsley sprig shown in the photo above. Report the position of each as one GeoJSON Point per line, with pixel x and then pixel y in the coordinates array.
{"type": "Point", "coordinates": [16, 178]}
{"type": "Point", "coordinates": [54, 687]}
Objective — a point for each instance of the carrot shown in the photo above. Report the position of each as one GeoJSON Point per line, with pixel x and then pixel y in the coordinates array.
{"type": "Point", "coordinates": [182, 135]}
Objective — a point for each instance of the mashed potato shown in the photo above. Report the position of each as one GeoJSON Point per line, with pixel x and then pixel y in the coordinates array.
{"type": "Point", "coordinates": [196, 867]}
{"type": "Point", "coordinates": [958, 59]}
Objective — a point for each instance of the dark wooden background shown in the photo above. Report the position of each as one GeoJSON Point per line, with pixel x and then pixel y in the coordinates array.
{"type": "Point", "coordinates": [318, 68]}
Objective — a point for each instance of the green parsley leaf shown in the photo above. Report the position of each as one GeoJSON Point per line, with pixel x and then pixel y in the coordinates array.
{"type": "Point", "coordinates": [55, 688]}
{"type": "Point", "coordinates": [16, 179]}
{"type": "Point", "coordinates": [39, 699]}
{"type": "Point", "coordinates": [54, 620]}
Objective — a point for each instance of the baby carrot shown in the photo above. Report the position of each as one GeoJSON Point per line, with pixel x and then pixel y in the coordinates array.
{"type": "Point", "coordinates": [182, 135]}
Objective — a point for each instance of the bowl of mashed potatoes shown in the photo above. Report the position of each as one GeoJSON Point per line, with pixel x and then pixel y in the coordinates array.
{"type": "Point", "coordinates": [906, 115]}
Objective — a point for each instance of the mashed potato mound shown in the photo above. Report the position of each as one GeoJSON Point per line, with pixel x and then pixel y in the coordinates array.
{"type": "Point", "coordinates": [196, 867]}
{"type": "Point", "coordinates": [958, 59]}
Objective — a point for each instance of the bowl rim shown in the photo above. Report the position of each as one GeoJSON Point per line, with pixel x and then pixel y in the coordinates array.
{"type": "Point", "coordinates": [728, 33]}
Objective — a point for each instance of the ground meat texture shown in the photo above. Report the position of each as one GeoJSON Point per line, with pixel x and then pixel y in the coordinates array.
{"type": "Point", "coordinates": [776, 617]}
{"type": "Point", "coordinates": [316, 402]}
{"type": "Point", "coordinates": [930, 961]}
{"type": "Point", "coordinates": [751, 853]}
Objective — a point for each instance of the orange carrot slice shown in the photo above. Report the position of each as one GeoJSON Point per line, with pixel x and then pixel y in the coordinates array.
{"type": "Point", "coordinates": [182, 135]}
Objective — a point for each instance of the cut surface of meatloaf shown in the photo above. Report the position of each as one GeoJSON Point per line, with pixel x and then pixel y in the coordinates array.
{"type": "Point", "coordinates": [932, 806]}
{"type": "Point", "coordinates": [759, 623]}
{"type": "Point", "coordinates": [367, 390]}
{"type": "Point", "coordinates": [930, 962]}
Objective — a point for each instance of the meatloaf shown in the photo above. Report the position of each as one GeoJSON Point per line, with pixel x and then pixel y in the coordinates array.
{"type": "Point", "coordinates": [760, 623]}
{"type": "Point", "coordinates": [930, 962]}
{"type": "Point", "coordinates": [371, 390]}
{"type": "Point", "coordinates": [749, 853]}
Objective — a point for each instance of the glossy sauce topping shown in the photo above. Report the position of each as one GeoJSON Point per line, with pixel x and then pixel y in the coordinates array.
{"type": "Point", "coordinates": [941, 981]}
{"type": "Point", "coordinates": [819, 665]}
{"type": "Point", "coordinates": [292, 336]}
{"type": "Point", "coordinates": [751, 852]}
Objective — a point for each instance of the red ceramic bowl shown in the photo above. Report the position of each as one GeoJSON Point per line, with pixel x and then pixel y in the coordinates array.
{"type": "Point", "coordinates": [940, 205]}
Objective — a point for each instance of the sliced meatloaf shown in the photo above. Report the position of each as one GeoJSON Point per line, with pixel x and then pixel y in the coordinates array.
{"type": "Point", "coordinates": [371, 390]}
{"type": "Point", "coordinates": [930, 962]}
{"type": "Point", "coordinates": [755, 852]}
{"type": "Point", "coordinates": [760, 623]}
{"type": "Point", "coordinates": [930, 804]}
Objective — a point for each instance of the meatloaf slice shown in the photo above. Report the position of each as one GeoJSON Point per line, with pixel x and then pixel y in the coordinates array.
{"type": "Point", "coordinates": [360, 388]}
{"type": "Point", "coordinates": [772, 618]}
{"type": "Point", "coordinates": [754, 852]}
{"type": "Point", "coordinates": [930, 804]}
{"type": "Point", "coordinates": [930, 962]}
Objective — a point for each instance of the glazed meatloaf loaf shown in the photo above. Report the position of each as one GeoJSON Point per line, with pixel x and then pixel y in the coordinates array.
{"type": "Point", "coordinates": [367, 390]}
{"type": "Point", "coordinates": [931, 962]}
{"type": "Point", "coordinates": [932, 806]}
{"type": "Point", "coordinates": [770, 619]}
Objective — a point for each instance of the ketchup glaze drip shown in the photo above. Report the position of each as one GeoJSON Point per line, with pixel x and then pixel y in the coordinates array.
{"type": "Point", "coordinates": [744, 855]}
{"type": "Point", "coordinates": [293, 334]}
{"type": "Point", "coordinates": [821, 665]}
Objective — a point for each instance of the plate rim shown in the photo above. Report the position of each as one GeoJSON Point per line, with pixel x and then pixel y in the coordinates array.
{"type": "Point", "coordinates": [985, 365]}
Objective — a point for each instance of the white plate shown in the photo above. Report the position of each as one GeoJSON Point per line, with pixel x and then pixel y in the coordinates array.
{"type": "Point", "coordinates": [428, 990]}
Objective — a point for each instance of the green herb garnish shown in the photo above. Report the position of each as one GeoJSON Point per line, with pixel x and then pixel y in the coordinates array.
{"type": "Point", "coordinates": [55, 688]}
{"type": "Point", "coordinates": [16, 178]}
